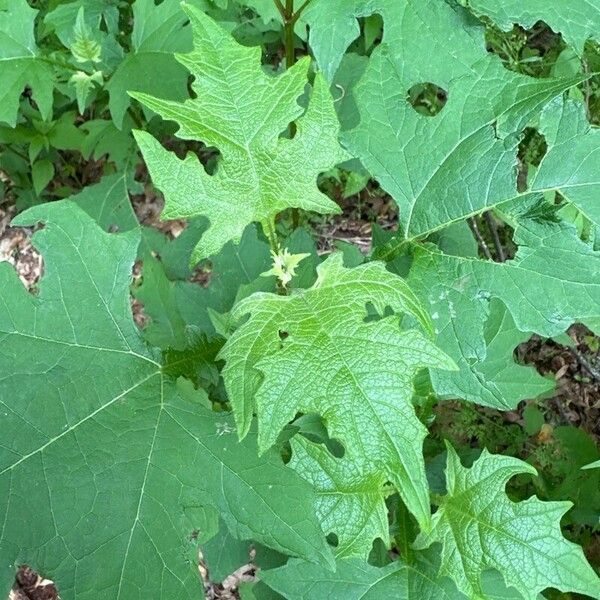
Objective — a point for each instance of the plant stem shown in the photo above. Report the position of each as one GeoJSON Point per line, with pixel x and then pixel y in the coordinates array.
{"type": "Point", "coordinates": [289, 21]}
{"type": "Point", "coordinates": [288, 34]}
{"type": "Point", "coordinates": [482, 245]}
{"type": "Point", "coordinates": [299, 12]}
{"type": "Point", "coordinates": [269, 229]}
{"type": "Point", "coordinates": [491, 223]}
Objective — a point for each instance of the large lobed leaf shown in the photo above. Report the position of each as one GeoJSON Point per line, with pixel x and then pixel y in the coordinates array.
{"type": "Point", "coordinates": [314, 352]}
{"type": "Point", "coordinates": [242, 111]}
{"type": "Point", "coordinates": [551, 283]}
{"type": "Point", "coordinates": [105, 462]}
{"type": "Point", "coordinates": [442, 169]}
{"type": "Point", "coordinates": [479, 527]}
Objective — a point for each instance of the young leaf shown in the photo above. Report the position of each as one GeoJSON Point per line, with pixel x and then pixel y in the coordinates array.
{"type": "Point", "coordinates": [103, 459]}
{"type": "Point", "coordinates": [313, 352]}
{"type": "Point", "coordinates": [20, 62]}
{"type": "Point", "coordinates": [551, 283]}
{"type": "Point", "coordinates": [260, 173]}
{"type": "Point", "coordinates": [577, 20]}
{"type": "Point", "coordinates": [350, 502]}
{"type": "Point", "coordinates": [61, 18]}
{"type": "Point", "coordinates": [479, 527]}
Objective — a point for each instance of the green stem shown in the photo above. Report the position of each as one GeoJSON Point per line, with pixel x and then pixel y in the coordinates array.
{"type": "Point", "coordinates": [57, 63]}
{"type": "Point", "coordinates": [288, 33]}
{"type": "Point", "coordinates": [269, 229]}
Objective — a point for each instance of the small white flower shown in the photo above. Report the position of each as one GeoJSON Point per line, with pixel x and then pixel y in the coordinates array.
{"type": "Point", "coordinates": [284, 265]}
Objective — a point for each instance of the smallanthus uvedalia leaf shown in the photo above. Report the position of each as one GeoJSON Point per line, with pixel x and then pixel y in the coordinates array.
{"type": "Point", "coordinates": [350, 502]}
{"type": "Point", "coordinates": [572, 161]}
{"type": "Point", "coordinates": [103, 459]}
{"type": "Point", "coordinates": [313, 352]}
{"type": "Point", "coordinates": [108, 203]}
{"type": "Point", "coordinates": [61, 18]}
{"type": "Point", "coordinates": [355, 579]}
{"type": "Point", "coordinates": [552, 282]}
{"type": "Point", "coordinates": [443, 168]}
{"type": "Point", "coordinates": [158, 32]}
{"type": "Point", "coordinates": [577, 20]}
{"type": "Point", "coordinates": [20, 62]}
{"type": "Point", "coordinates": [479, 527]}
{"type": "Point", "coordinates": [334, 25]}
{"type": "Point", "coordinates": [242, 111]}
{"type": "Point", "coordinates": [175, 304]}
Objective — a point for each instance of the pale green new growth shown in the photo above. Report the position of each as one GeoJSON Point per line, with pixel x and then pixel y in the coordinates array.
{"type": "Point", "coordinates": [242, 112]}
{"type": "Point", "coordinates": [350, 501]}
{"type": "Point", "coordinates": [314, 352]}
{"type": "Point", "coordinates": [479, 527]}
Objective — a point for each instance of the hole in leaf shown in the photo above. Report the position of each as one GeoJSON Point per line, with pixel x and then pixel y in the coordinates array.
{"type": "Point", "coordinates": [532, 52]}
{"type": "Point", "coordinates": [532, 149]}
{"type": "Point", "coordinates": [30, 584]}
{"type": "Point", "coordinates": [333, 540]}
{"type": "Point", "coordinates": [283, 335]}
{"type": "Point", "coordinates": [372, 314]}
{"type": "Point", "coordinates": [427, 98]}
{"type": "Point", "coordinates": [313, 428]}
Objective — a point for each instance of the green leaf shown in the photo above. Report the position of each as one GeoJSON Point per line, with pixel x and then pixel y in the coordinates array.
{"type": "Point", "coordinates": [572, 162]}
{"type": "Point", "coordinates": [108, 203]}
{"type": "Point", "coordinates": [260, 173]}
{"type": "Point", "coordinates": [158, 32]}
{"type": "Point", "coordinates": [104, 139]}
{"type": "Point", "coordinates": [350, 502]}
{"type": "Point", "coordinates": [61, 19]}
{"type": "Point", "coordinates": [85, 46]}
{"type": "Point", "coordinates": [42, 173]}
{"type": "Point", "coordinates": [224, 554]}
{"type": "Point", "coordinates": [105, 460]}
{"type": "Point", "coordinates": [175, 304]}
{"type": "Point", "coordinates": [84, 84]}
{"type": "Point", "coordinates": [443, 168]}
{"type": "Point", "coordinates": [479, 527]}
{"type": "Point", "coordinates": [20, 62]}
{"type": "Point", "coordinates": [551, 283]}
{"type": "Point", "coordinates": [355, 579]}
{"type": "Point", "coordinates": [426, 29]}
{"type": "Point", "coordinates": [313, 352]}
{"type": "Point", "coordinates": [577, 20]}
